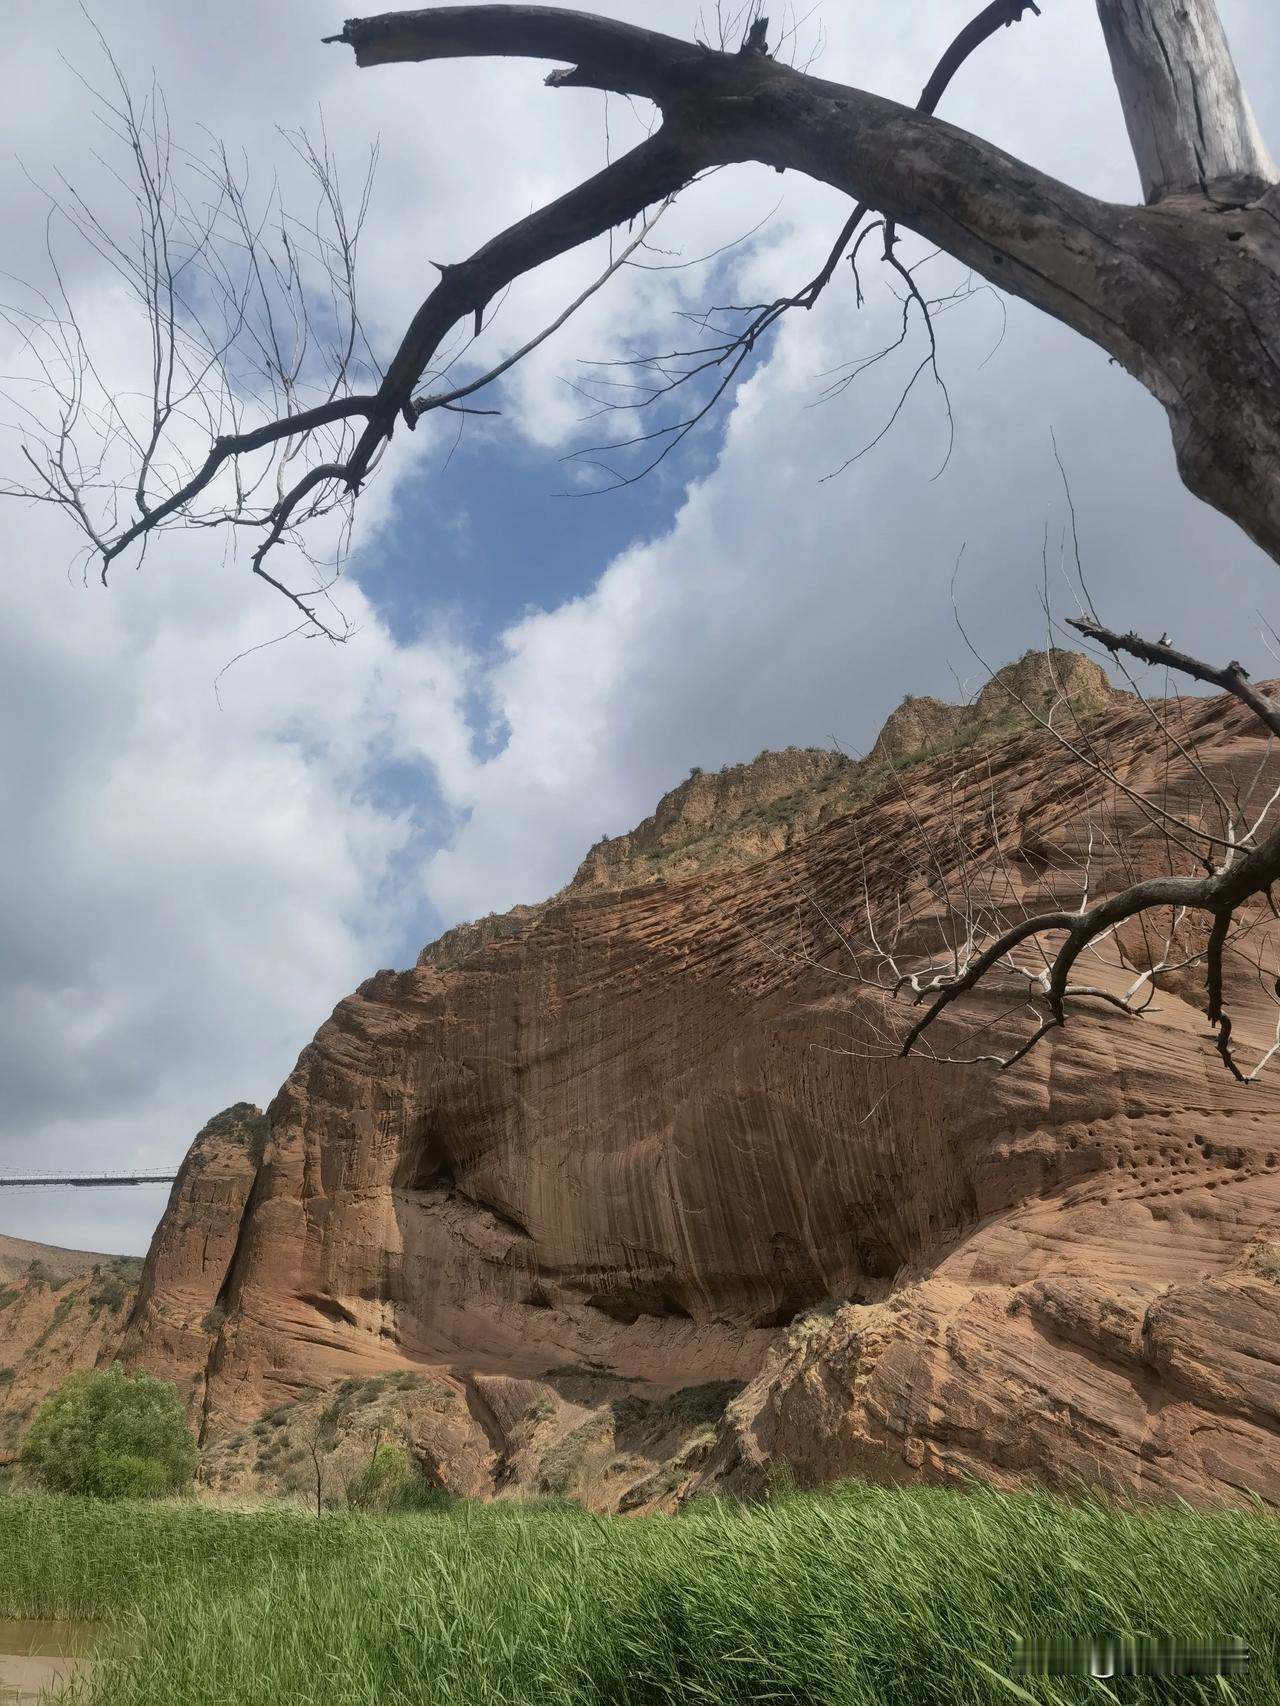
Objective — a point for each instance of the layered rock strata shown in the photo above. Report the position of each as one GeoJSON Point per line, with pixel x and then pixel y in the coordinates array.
{"type": "Point", "coordinates": [645, 1130]}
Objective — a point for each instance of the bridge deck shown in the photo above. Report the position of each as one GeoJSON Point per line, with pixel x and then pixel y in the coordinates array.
{"type": "Point", "coordinates": [85, 1181]}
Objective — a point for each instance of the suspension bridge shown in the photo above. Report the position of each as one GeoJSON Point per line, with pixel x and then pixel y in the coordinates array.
{"type": "Point", "coordinates": [83, 1181]}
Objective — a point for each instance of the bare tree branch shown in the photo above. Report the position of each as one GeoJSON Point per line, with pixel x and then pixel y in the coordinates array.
{"type": "Point", "coordinates": [972, 900]}
{"type": "Point", "coordinates": [1231, 678]}
{"type": "Point", "coordinates": [1184, 294]}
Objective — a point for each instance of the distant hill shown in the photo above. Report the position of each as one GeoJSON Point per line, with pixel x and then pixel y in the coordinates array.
{"type": "Point", "coordinates": [17, 1255]}
{"type": "Point", "coordinates": [60, 1310]}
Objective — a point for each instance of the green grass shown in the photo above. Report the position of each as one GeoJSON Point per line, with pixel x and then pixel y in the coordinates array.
{"type": "Point", "coordinates": [853, 1597]}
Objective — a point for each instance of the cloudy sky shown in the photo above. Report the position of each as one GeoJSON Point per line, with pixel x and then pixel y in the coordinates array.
{"type": "Point", "coordinates": [192, 878]}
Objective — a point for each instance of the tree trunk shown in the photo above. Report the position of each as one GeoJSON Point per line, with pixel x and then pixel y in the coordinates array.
{"type": "Point", "coordinates": [1189, 119]}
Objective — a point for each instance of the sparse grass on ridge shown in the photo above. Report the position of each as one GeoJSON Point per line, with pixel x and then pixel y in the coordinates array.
{"type": "Point", "coordinates": [852, 1597]}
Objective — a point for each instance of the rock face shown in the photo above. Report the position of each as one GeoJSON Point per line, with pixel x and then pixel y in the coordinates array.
{"type": "Point", "coordinates": [643, 1131]}
{"type": "Point", "coordinates": [1039, 685]}
{"type": "Point", "coordinates": [173, 1326]}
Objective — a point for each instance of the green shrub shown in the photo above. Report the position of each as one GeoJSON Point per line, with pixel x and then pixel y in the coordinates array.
{"type": "Point", "coordinates": [112, 1288]}
{"type": "Point", "coordinates": [111, 1435]}
{"type": "Point", "coordinates": [374, 1487]}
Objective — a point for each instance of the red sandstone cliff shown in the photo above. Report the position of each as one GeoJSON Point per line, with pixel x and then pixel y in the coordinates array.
{"type": "Point", "coordinates": [174, 1325]}
{"type": "Point", "coordinates": [639, 1130]}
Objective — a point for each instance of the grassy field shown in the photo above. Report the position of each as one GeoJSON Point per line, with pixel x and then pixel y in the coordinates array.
{"type": "Point", "coordinates": [857, 1595]}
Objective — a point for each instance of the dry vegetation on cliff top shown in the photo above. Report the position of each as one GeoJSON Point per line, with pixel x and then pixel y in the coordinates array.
{"type": "Point", "coordinates": [898, 1597]}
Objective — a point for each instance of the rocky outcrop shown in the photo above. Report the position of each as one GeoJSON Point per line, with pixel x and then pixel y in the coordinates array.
{"type": "Point", "coordinates": [173, 1327]}
{"type": "Point", "coordinates": [644, 1131]}
{"type": "Point", "coordinates": [1104, 1370]}
{"type": "Point", "coordinates": [457, 944]}
{"type": "Point", "coordinates": [573, 1433]}
{"type": "Point", "coordinates": [920, 726]}
{"type": "Point", "coordinates": [736, 816]}
{"type": "Point", "coordinates": [724, 818]}
{"type": "Point", "coordinates": [717, 820]}
{"type": "Point", "coordinates": [1057, 686]}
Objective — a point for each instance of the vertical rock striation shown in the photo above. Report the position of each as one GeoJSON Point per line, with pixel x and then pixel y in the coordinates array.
{"type": "Point", "coordinates": [646, 1129]}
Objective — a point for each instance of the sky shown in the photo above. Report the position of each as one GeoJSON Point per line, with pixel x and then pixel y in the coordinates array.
{"type": "Point", "coordinates": [199, 860]}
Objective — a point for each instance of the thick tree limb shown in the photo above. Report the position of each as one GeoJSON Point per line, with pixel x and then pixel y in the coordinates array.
{"type": "Point", "coordinates": [445, 399]}
{"type": "Point", "coordinates": [621, 58]}
{"type": "Point", "coordinates": [650, 173]}
{"type": "Point", "coordinates": [1231, 678]}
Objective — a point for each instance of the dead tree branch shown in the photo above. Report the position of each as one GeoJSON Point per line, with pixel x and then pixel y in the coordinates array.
{"type": "Point", "coordinates": [1232, 678]}
{"type": "Point", "coordinates": [993, 942]}
{"type": "Point", "coordinates": [1185, 294]}
{"type": "Point", "coordinates": [725, 356]}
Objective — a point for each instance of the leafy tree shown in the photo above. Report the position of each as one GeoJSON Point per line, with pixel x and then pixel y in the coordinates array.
{"type": "Point", "coordinates": [112, 1435]}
